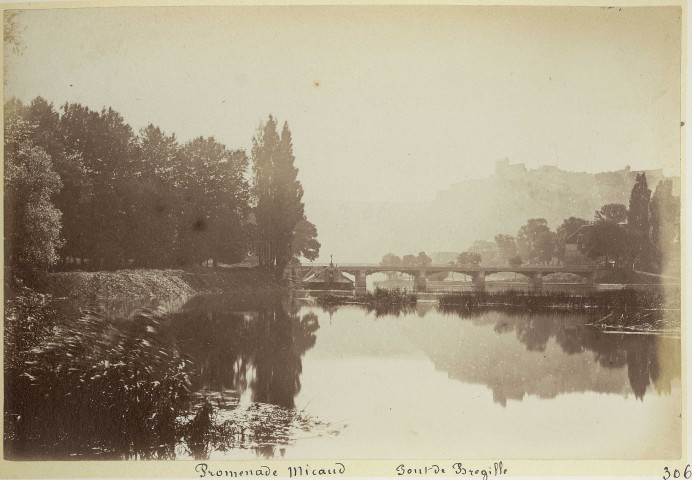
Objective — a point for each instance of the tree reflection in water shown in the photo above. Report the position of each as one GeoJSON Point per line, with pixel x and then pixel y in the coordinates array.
{"type": "Point", "coordinates": [652, 361]}
{"type": "Point", "coordinates": [239, 349]}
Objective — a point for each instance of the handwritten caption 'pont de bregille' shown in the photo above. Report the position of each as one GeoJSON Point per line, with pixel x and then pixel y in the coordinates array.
{"type": "Point", "coordinates": [458, 469]}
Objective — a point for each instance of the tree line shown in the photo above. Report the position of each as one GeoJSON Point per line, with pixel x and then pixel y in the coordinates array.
{"type": "Point", "coordinates": [645, 236]}
{"type": "Point", "coordinates": [83, 190]}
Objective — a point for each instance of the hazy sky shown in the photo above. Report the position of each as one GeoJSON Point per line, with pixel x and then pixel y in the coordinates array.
{"type": "Point", "coordinates": [384, 103]}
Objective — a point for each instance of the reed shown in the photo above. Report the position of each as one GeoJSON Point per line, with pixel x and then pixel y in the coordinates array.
{"type": "Point", "coordinates": [618, 309]}
{"type": "Point", "coordinates": [102, 386]}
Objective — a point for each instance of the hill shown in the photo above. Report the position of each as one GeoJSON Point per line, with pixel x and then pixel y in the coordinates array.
{"type": "Point", "coordinates": [475, 209]}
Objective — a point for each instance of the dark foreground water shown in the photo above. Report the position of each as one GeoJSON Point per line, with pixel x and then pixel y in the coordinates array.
{"type": "Point", "coordinates": [287, 378]}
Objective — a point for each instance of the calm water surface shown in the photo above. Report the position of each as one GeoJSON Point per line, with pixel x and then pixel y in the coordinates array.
{"type": "Point", "coordinates": [306, 382]}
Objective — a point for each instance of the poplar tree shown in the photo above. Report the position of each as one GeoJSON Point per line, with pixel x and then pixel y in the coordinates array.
{"type": "Point", "coordinates": [278, 195]}
{"type": "Point", "coordinates": [638, 220]}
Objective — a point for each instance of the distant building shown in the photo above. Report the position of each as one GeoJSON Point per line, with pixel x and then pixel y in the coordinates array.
{"type": "Point", "coordinates": [574, 244]}
{"type": "Point", "coordinates": [327, 278]}
{"type": "Point", "coordinates": [505, 170]}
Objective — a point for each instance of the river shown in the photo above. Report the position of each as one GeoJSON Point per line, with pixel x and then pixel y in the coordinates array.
{"type": "Point", "coordinates": [289, 379]}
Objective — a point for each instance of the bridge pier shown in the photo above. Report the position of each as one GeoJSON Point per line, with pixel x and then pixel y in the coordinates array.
{"type": "Point", "coordinates": [420, 281]}
{"type": "Point", "coordinates": [536, 281]}
{"type": "Point", "coordinates": [479, 280]}
{"type": "Point", "coordinates": [591, 278]}
{"type": "Point", "coordinates": [361, 283]}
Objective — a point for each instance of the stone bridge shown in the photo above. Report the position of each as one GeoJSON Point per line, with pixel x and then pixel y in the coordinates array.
{"type": "Point", "coordinates": [477, 273]}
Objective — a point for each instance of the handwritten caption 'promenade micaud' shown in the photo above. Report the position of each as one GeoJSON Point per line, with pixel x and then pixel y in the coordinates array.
{"type": "Point", "coordinates": [338, 469]}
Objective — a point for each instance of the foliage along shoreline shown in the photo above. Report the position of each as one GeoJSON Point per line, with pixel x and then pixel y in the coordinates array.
{"type": "Point", "coordinates": [84, 191]}
{"type": "Point", "coordinates": [380, 296]}
{"type": "Point", "coordinates": [623, 310]}
{"type": "Point", "coordinates": [130, 386]}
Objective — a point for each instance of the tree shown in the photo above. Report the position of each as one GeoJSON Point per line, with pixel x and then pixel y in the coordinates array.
{"type": "Point", "coordinates": [609, 240]}
{"type": "Point", "coordinates": [305, 242]}
{"type": "Point", "coordinates": [157, 200]}
{"type": "Point", "coordinates": [515, 261]}
{"type": "Point", "coordinates": [107, 147]}
{"type": "Point", "coordinates": [467, 259]}
{"type": "Point", "coordinates": [506, 246]}
{"type": "Point", "coordinates": [665, 226]}
{"type": "Point", "coordinates": [423, 260]}
{"type": "Point", "coordinates": [389, 259]}
{"type": "Point", "coordinates": [638, 220]}
{"type": "Point", "coordinates": [11, 35]}
{"type": "Point", "coordinates": [215, 206]}
{"type": "Point", "coordinates": [32, 223]}
{"type": "Point", "coordinates": [12, 31]}
{"type": "Point", "coordinates": [409, 260]}
{"type": "Point", "coordinates": [536, 242]}
{"type": "Point", "coordinates": [278, 194]}
{"type": "Point", "coordinates": [47, 134]}
{"type": "Point", "coordinates": [612, 212]}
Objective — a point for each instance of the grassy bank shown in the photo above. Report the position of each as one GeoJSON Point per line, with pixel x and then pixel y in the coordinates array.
{"type": "Point", "coordinates": [155, 283]}
{"type": "Point", "coordinates": [628, 309]}
{"type": "Point", "coordinates": [381, 301]}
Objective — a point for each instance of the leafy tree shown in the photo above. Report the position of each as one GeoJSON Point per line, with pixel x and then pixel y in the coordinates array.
{"type": "Point", "coordinates": [612, 212]}
{"type": "Point", "coordinates": [32, 223]}
{"type": "Point", "coordinates": [278, 194]}
{"type": "Point", "coordinates": [515, 261]}
{"type": "Point", "coordinates": [47, 135]}
{"type": "Point", "coordinates": [409, 260]}
{"type": "Point", "coordinates": [506, 246]}
{"type": "Point", "coordinates": [536, 242]}
{"type": "Point", "coordinates": [156, 200]}
{"type": "Point", "coordinates": [638, 220]}
{"type": "Point", "coordinates": [305, 242]}
{"type": "Point", "coordinates": [389, 259]}
{"type": "Point", "coordinates": [469, 259]}
{"type": "Point", "coordinates": [423, 260]}
{"type": "Point", "coordinates": [11, 35]}
{"type": "Point", "coordinates": [106, 145]}
{"type": "Point", "coordinates": [609, 240]}
{"type": "Point", "coordinates": [12, 31]}
{"type": "Point", "coordinates": [215, 202]}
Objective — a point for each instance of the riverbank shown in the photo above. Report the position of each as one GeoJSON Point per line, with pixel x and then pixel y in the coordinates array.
{"type": "Point", "coordinates": [138, 283]}
{"type": "Point", "coordinates": [621, 310]}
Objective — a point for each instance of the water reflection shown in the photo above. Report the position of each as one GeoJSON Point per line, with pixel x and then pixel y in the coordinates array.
{"type": "Point", "coordinates": [482, 356]}
{"type": "Point", "coordinates": [246, 350]}
{"type": "Point", "coordinates": [264, 371]}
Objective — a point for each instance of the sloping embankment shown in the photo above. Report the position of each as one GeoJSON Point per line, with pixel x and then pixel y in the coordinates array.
{"type": "Point", "coordinates": [155, 283]}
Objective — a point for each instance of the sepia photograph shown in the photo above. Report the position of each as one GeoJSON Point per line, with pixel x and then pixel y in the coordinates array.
{"type": "Point", "coordinates": [262, 240]}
